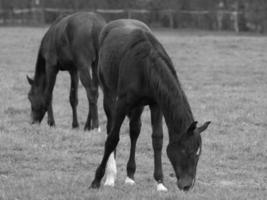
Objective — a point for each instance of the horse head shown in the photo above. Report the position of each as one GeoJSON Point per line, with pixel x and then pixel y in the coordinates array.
{"type": "Point", "coordinates": [184, 155]}
{"type": "Point", "coordinates": [37, 101]}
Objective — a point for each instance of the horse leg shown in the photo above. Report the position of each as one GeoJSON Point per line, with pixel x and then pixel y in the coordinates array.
{"type": "Point", "coordinates": [135, 127]}
{"type": "Point", "coordinates": [50, 115]}
{"type": "Point", "coordinates": [112, 140]}
{"type": "Point", "coordinates": [108, 104]}
{"type": "Point", "coordinates": [94, 93]}
{"type": "Point", "coordinates": [51, 74]}
{"type": "Point", "coordinates": [111, 169]}
{"type": "Point", "coordinates": [157, 140]}
{"type": "Point", "coordinates": [86, 80]}
{"type": "Point", "coordinates": [74, 97]}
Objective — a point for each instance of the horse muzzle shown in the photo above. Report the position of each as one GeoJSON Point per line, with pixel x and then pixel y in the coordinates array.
{"type": "Point", "coordinates": [36, 119]}
{"type": "Point", "coordinates": [35, 122]}
{"type": "Point", "coordinates": [185, 184]}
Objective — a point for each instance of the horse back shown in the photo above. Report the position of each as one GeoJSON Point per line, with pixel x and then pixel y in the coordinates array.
{"type": "Point", "coordinates": [127, 48]}
{"type": "Point", "coordinates": [125, 25]}
{"type": "Point", "coordinates": [117, 64]}
{"type": "Point", "coordinates": [71, 38]}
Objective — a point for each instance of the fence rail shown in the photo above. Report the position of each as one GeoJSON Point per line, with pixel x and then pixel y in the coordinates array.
{"type": "Point", "coordinates": [204, 19]}
{"type": "Point", "coordinates": [115, 11]}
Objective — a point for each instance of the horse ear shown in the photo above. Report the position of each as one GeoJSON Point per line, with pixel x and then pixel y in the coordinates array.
{"type": "Point", "coordinates": [192, 127]}
{"type": "Point", "coordinates": [203, 127]}
{"type": "Point", "coordinates": [29, 80]}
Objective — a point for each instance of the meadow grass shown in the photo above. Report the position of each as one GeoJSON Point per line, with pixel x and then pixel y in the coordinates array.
{"type": "Point", "coordinates": [225, 78]}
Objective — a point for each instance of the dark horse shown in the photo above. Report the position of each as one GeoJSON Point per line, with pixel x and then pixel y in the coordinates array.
{"type": "Point", "coordinates": [71, 44]}
{"type": "Point", "coordinates": [134, 71]}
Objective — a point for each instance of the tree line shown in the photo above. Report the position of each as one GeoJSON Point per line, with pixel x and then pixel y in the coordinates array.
{"type": "Point", "coordinates": [134, 4]}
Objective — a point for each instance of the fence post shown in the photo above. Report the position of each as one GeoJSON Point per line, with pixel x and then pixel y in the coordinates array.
{"type": "Point", "coordinates": [220, 15]}
{"type": "Point", "coordinates": [171, 19]}
{"type": "Point", "coordinates": [37, 9]}
{"type": "Point", "coordinates": [42, 12]}
{"type": "Point", "coordinates": [129, 14]}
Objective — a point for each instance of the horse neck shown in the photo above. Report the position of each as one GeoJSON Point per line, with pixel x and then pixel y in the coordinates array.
{"type": "Point", "coordinates": [170, 97]}
{"type": "Point", "coordinates": [40, 74]}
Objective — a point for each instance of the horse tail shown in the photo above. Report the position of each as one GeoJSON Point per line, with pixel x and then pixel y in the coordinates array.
{"type": "Point", "coordinates": [98, 25]}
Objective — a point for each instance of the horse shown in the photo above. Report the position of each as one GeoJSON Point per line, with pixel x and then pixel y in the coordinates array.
{"type": "Point", "coordinates": [70, 44]}
{"type": "Point", "coordinates": [134, 71]}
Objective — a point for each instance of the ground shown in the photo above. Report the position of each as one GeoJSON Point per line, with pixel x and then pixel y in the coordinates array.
{"type": "Point", "coordinates": [224, 77]}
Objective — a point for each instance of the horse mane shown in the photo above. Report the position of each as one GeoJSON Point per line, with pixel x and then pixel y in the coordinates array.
{"type": "Point", "coordinates": [40, 70]}
{"type": "Point", "coordinates": [161, 76]}
{"type": "Point", "coordinates": [39, 74]}
{"type": "Point", "coordinates": [169, 91]}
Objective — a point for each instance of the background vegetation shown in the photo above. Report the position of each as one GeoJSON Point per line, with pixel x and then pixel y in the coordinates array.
{"type": "Point", "coordinates": [253, 12]}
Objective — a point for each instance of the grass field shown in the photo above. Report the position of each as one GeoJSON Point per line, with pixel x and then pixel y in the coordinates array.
{"type": "Point", "coordinates": [225, 78]}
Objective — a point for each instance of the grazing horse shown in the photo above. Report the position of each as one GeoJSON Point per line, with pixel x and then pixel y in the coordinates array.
{"type": "Point", "coordinates": [134, 71]}
{"type": "Point", "coordinates": [71, 44]}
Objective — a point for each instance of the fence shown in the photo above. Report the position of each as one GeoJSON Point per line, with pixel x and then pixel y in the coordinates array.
{"type": "Point", "coordinates": [204, 19]}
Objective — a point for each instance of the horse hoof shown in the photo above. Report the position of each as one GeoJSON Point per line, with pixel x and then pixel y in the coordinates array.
{"type": "Point", "coordinates": [109, 183]}
{"type": "Point", "coordinates": [74, 126]}
{"type": "Point", "coordinates": [96, 129]}
{"type": "Point", "coordinates": [51, 123]}
{"type": "Point", "coordinates": [161, 188]}
{"type": "Point", "coordinates": [95, 185]}
{"type": "Point", "coordinates": [87, 128]}
{"type": "Point", "coordinates": [129, 181]}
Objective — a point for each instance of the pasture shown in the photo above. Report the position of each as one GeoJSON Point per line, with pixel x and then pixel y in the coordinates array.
{"type": "Point", "coordinates": [225, 78]}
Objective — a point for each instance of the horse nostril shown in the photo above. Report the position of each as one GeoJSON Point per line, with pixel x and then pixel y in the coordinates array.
{"type": "Point", "coordinates": [183, 186]}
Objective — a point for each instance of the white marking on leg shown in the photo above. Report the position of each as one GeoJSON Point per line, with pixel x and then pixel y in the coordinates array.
{"type": "Point", "coordinates": [198, 151]}
{"type": "Point", "coordinates": [161, 188]}
{"type": "Point", "coordinates": [99, 129]}
{"type": "Point", "coordinates": [111, 171]}
{"type": "Point", "coordinates": [129, 181]}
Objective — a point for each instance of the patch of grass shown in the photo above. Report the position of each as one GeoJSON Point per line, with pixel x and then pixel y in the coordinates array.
{"type": "Point", "coordinates": [224, 77]}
